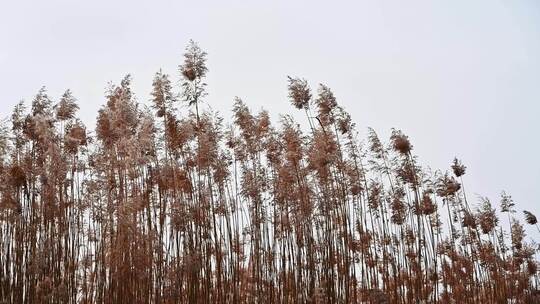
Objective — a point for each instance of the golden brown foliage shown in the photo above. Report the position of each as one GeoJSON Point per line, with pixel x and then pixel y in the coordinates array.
{"type": "Point", "coordinates": [173, 207]}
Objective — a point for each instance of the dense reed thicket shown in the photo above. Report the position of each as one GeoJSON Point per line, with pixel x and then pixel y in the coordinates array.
{"type": "Point", "coordinates": [167, 204]}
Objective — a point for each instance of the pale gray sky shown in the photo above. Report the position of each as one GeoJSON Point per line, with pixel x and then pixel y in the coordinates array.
{"type": "Point", "coordinates": [461, 78]}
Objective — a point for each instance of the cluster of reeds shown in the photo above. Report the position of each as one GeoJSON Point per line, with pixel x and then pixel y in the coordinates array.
{"type": "Point", "coordinates": [160, 205]}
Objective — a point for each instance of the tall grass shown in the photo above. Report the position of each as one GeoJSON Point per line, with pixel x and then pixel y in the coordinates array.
{"type": "Point", "coordinates": [159, 207]}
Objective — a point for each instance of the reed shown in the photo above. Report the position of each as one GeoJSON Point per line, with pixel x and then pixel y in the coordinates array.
{"type": "Point", "coordinates": [158, 205]}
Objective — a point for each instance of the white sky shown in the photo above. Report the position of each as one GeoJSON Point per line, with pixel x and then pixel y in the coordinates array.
{"type": "Point", "coordinates": [461, 78]}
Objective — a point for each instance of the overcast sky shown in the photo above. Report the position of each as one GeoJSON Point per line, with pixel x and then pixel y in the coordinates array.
{"type": "Point", "coordinates": [461, 78]}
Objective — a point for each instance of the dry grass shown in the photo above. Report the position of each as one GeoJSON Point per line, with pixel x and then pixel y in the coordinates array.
{"type": "Point", "coordinates": [155, 207]}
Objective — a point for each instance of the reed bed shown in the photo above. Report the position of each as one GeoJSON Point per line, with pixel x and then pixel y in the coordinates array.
{"type": "Point", "coordinates": [164, 205]}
